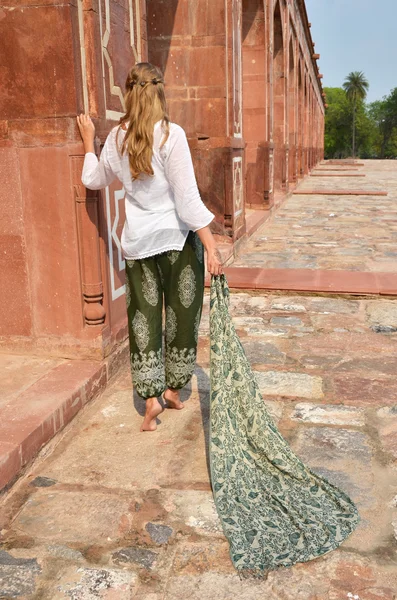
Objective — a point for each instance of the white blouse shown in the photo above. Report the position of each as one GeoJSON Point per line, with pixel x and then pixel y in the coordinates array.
{"type": "Point", "coordinates": [160, 210]}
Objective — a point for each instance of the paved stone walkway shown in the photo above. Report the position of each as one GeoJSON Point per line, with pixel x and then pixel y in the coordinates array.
{"type": "Point", "coordinates": [107, 512]}
{"type": "Point", "coordinates": [353, 233]}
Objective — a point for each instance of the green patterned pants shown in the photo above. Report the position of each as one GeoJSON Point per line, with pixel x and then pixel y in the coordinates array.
{"type": "Point", "coordinates": [178, 276]}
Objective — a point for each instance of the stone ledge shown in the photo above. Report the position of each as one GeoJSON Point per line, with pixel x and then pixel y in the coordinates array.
{"type": "Point", "coordinates": [337, 175]}
{"type": "Point", "coordinates": [311, 280]}
{"type": "Point", "coordinates": [320, 192]}
{"type": "Point", "coordinates": [331, 170]}
{"type": "Point", "coordinates": [35, 416]}
{"type": "Point", "coordinates": [342, 162]}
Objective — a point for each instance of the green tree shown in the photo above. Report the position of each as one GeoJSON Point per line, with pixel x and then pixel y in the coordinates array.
{"type": "Point", "coordinates": [337, 123]}
{"type": "Point", "coordinates": [356, 88]}
{"type": "Point", "coordinates": [384, 115]}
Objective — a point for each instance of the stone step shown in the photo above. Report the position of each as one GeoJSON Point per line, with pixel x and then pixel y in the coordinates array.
{"type": "Point", "coordinates": [311, 280]}
{"type": "Point", "coordinates": [31, 419]}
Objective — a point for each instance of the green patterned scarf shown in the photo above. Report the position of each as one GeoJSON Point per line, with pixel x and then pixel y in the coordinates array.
{"type": "Point", "coordinates": [274, 510]}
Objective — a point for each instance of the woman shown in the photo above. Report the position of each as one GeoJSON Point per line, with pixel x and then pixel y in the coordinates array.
{"type": "Point", "coordinates": [165, 230]}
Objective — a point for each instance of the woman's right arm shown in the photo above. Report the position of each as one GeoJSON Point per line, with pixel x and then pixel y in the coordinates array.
{"type": "Point", "coordinates": [214, 259]}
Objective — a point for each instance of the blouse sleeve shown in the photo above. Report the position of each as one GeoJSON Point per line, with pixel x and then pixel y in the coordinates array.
{"type": "Point", "coordinates": [180, 174]}
{"type": "Point", "coordinates": [98, 174]}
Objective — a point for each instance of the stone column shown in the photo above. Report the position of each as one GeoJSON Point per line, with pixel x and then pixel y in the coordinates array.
{"type": "Point", "coordinates": [268, 145]}
{"type": "Point", "coordinates": [255, 109]}
{"type": "Point", "coordinates": [279, 97]}
{"type": "Point", "coordinates": [292, 111]}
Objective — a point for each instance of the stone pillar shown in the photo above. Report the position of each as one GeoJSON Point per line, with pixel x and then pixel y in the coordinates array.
{"type": "Point", "coordinates": [64, 274]}
{"type": "Point", "coordinates": [268, 145]}
{"type": "Point", "coordinates": [300, 105]}
{"type": "Point", "coordinates": [292, 111]}
{"type": "Point", "coordinates": [307, 125]}
{"type": "Point", "coordinates": [279, 97]}
{"type": "Point", "coordinates": [255, 109]}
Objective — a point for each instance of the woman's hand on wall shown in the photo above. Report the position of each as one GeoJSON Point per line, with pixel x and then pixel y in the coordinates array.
{"type": "Point", "coordinates": [87, 131]}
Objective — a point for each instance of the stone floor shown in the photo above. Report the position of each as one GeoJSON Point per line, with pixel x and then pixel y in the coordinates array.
{"type": "Point", "coordinates": [108, 512]}
{"type": "Point", "coordinates": [353, 233]}
{"type": "Point", "coordinates": [111, 513]}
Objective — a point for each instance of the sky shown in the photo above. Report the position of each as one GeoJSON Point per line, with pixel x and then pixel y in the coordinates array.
{"type": "Point", "coordinates": [356, 35]}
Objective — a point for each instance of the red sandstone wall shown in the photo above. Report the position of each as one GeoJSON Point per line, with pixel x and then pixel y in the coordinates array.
{"type": "Point", "coordinates": [241, 78]}
{"type": "Point", "coordinates": [62, 270]}
{"type": "Point", "coordinates": [232, 71]}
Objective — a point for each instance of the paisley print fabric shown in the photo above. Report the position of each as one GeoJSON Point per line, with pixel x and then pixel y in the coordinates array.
{"type": "Point", "coordinates": [149, 286]}
{"type": "Point", "coordinates": [187, 286]}
{"type": "Point", "coordinates": [173, 256]}
{"type": "Point", "coordinates": [274, 510]}
{"type": "Point", "coordinates": [148, 372]}
{"type": "Point", "coordinates": [177, 278]}
{"type": "Point", "coordinates": [179, 365]}
{"type": "Point", "coordinates": [171, 325]}
{"type": "Point", "coordinates": [140, 328]}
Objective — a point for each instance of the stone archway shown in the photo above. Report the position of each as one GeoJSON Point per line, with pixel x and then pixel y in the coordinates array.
{"type": "Point", "coordinates": [278, 99]}
{"type": "Point", "coordinates": [254, 57]}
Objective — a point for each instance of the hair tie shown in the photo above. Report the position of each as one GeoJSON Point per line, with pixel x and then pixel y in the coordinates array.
{"type": "Point", "coordinates": [154, 81]}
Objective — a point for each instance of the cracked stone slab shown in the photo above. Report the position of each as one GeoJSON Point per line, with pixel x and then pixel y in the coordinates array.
{"type": "Point", "coordinates": [326, 443]}
{"type": "Point", "coordinates": [17, 575]}
{"type": "Point", "coordinates": [293, 385]}
{"type": "Point", "coordinates": [328, 414]}
{"type": "Point", "coordinates": [343, 456]}
{"type": "Point", "coordinates": [338, 449]}
{"type": "Point", "coordinates": [275, 410]}
{"type": "Point", "coordinates": [247, 321]}
{"type": "Point", "coordinates": [160, 534]}
{"type": "Point", "coordinates": [91, 584]}
{"type": "Point", "coordinates": [263, 332]}
{"type": "Point", "coordinates": [388, 429]}
{"type": "Point", "coordinates": [286, 321]}
{"type": "Point", "coordinates": [66, 516]}
{"type": "Point", "coordinates": [263, 352]}
{"type": "Point", "coordinates": [336, 576]}
{"type": "Point", "coordinates": [382, 314]}
{"type": "Point", "coordinates": [64, 552]}
{"type": "Point", "coordinates": [197, 510]}
{"type": "Point", "coordinates": [296, 308]}
{"type": "Point", "coordinates": [139, 556]}
{"type": "Point", "coordinates": [43, 482]}
{"type": "Point", "coordinates": [334, 305]}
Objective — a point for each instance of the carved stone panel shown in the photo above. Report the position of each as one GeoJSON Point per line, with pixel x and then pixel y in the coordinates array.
{"type": "Point", "coordinates": [120, 30]}
{"type": "Point", "coordinates": [115, 215]}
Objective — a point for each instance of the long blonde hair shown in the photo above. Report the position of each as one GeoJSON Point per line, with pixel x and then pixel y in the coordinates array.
{"type": "Point", "coordinates": [145, 105]}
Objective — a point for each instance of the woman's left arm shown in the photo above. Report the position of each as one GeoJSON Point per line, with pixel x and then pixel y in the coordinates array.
{"type": "Point", "coordinates": [97, 174]}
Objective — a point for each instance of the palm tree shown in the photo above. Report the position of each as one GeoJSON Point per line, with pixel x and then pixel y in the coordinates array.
{"type": "Point", "coordinates": [356, 87]}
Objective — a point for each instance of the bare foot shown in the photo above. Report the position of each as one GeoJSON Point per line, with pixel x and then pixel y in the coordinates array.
{"type": "Point", "coordinates": [172, 398]}
{"type": "Point", "coordinates": [153, 409]}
